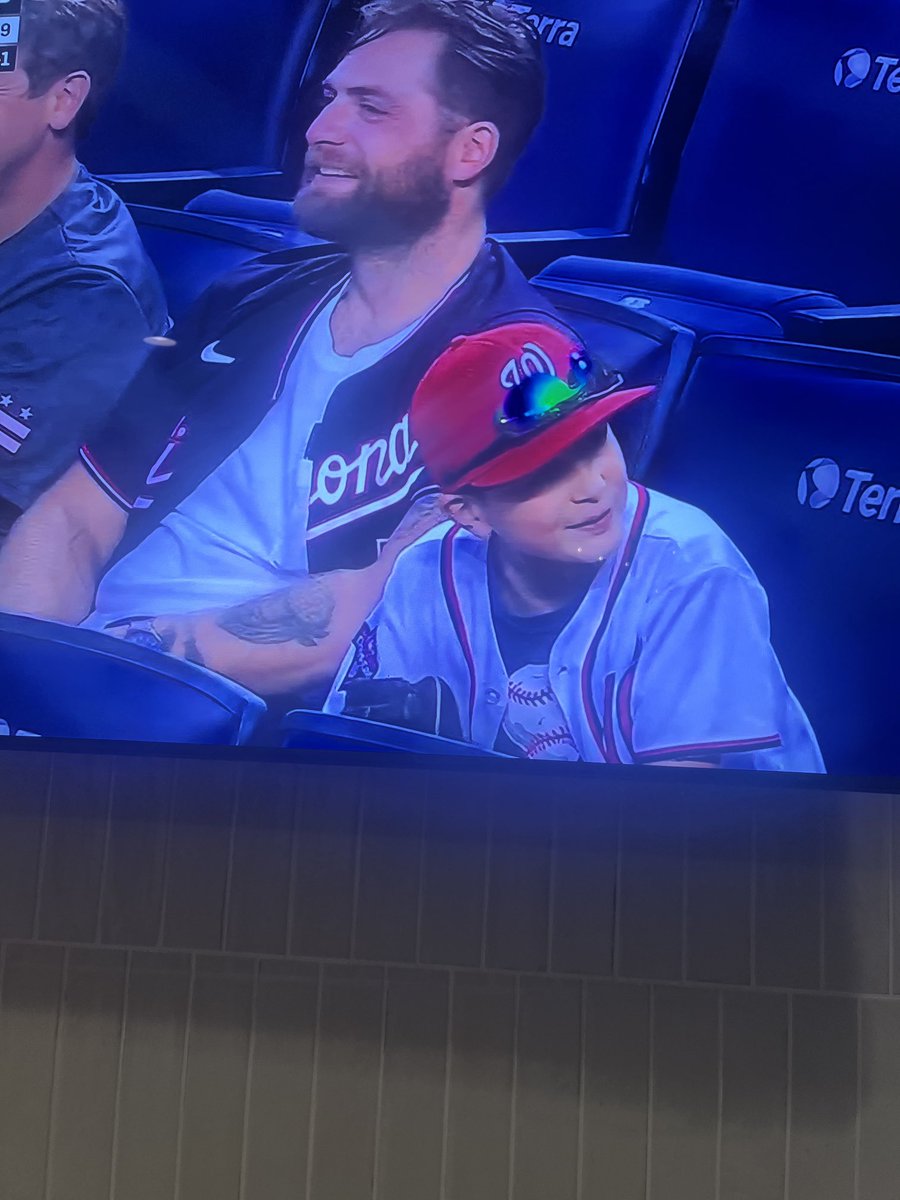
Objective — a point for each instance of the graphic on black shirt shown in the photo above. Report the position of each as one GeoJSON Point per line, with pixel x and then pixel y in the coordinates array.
{"type": "Point", "coordinates": [534, 724]}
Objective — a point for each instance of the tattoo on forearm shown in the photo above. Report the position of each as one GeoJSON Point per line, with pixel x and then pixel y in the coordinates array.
{"type": "Point", "coordinates": [192, 651]}
{"type": "Point", "coordinates": [301, 613]}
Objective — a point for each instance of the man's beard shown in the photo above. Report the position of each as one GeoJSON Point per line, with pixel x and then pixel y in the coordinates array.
{"type": "Point", "coordinates": [384, 211]}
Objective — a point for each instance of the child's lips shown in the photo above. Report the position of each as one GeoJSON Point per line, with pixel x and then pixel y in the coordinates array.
{"type": "Point", "coordinates": [597, 524]}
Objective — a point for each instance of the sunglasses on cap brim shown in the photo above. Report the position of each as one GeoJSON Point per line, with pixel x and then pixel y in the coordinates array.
{"type": "Point", "coordinates": [540, 399]}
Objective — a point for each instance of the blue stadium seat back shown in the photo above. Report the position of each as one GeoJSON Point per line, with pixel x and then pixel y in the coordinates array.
{"type": "Point", "coordinates": [795, 452]}
{"type": "Point", "coordinates": [254, 212]}
{"type": "Point", "coordinates": [203, 87]}
{"type": "Point", "coordinates": [708, 304]}
{"type": "Point", "coordinates": [645, 350]}
{"type": "Point", "coordinates": [305, 729]}
{"type": "Point", "coordinates": [611, 66]}
{"type": "Point", "coordinates": [64, 682]}
{"type": "Point", "coordinates": [191, 250]}
{"type": "Point", "coordinates": [791, 172]}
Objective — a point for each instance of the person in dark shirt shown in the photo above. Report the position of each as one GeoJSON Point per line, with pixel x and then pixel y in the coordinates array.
{"type": "Point", "coordinates": [245, 503]}
{"type": "Point", "coordinates": [78, 294]}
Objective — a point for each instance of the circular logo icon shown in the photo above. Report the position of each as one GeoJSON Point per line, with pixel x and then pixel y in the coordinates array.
{"type": "Point", "coordinates": [853, 68]}
{"type": "Point", "coordinates": [819, 482]}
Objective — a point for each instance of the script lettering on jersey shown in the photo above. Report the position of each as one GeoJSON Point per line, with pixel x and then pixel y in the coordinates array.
{"type": "Point", "coordinates": [374, 463]}
{"type": "Point", "coordinates": [156, 474]}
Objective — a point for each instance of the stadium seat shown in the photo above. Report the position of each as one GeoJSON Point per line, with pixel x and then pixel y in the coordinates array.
{"type": "Point", "coordinates": [201, 91]}
{"type": "Point", "coordinates": [795, 452]}
{"type": "Point", "coordinates": [704, 303]}
{"type": "Point", "coordinates": [786, 179]}
{"type": "Point", "coordinates": [617, 75]}
{"type": "Point", "coordinates": [64, 682]}
{"type": "Point", "coordinates": [612, 66]}
{"type": "Point", "coordinates": [304, 729]}
{"type": "Point", "coordinates": [191, 249]}
{"type": "Point", "coordinates": [646, 350]}
{"type": "Point", "coordinates": [791, 171]}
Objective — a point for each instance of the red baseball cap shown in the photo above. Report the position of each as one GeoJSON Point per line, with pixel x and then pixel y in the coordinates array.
{"type": "Point", "coordinates": [456, 408]}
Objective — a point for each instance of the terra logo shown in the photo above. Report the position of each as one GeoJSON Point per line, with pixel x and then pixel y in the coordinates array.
{"type": "Point", "coordinates": [821, 480]}
{"type": "Point", "coordinates": [857, 66]}
{"type": "Point", "coordinates": [559, 31]}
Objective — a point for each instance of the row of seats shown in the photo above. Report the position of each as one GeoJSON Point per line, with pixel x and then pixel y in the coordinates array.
{"type": "Point", "coordinates": [794, 450]}
{"type": "Point", "coordinates": [783, 145]}
{"type": "Point", "coordinates": [776, 229]}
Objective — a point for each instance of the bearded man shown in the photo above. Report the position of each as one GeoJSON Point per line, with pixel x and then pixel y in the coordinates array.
{"type": "Point", "coordinates": [246, 503]}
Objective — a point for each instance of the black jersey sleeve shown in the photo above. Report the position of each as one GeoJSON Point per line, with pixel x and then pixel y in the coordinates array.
{"type": "Point", "coordinates": [121, 454]}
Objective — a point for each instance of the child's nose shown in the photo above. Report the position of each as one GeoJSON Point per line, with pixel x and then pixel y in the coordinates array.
{"type": "Point", "coordinates": [590, 481]}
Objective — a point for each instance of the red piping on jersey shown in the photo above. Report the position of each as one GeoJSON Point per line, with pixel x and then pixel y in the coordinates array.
{"type": "Point", "coordinates": [623, 707]}
{"type": "Point", "coordinates": [610, 751]}
{"type": "Point", "coordinates": [103, 479]}
{"type": "Point", "coordinates": [587, 670]}
{"type": "Point", "coordinates": [771, 742]}
{"type": "Point", "coordinates": [456, 614]}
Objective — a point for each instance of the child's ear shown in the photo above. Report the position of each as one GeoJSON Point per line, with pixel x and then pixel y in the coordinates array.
{"type": "Point", "coordinates": [464, 511]}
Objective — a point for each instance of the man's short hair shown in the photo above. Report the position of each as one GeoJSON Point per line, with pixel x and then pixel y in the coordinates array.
{"type": "Point", "coordinates": [60, 37]}
{"type": "Point", "coordinates": [491, 68]}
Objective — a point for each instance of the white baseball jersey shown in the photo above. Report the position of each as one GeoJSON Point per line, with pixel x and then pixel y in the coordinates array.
{"type": "Point", "coordinates": [668, 656]}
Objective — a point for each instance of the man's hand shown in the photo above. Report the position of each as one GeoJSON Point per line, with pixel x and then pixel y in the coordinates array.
{"type": "Point", "coordinates": [421, 516]}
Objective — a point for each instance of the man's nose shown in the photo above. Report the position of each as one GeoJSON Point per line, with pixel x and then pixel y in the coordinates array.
{"type": "Point", "coordinates": [327, 126]}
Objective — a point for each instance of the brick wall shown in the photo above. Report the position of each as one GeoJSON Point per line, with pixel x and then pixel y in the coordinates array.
{"type": "Point", "coordinates": [272, 981]}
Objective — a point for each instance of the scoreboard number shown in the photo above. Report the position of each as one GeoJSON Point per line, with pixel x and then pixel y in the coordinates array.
{"type": "Point", "coordinates": [9, 34]}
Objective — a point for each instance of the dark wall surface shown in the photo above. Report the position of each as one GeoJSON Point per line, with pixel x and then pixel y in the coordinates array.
{"type": "Point", "coordinates": [272, 981]}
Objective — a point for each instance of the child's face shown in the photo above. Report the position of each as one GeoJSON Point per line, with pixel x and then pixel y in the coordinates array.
{"type": "Point", "coordinates": [570, 511]}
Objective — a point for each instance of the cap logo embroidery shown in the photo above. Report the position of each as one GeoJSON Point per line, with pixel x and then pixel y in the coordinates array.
{"type": "Point", "coordinates": [532, 361]}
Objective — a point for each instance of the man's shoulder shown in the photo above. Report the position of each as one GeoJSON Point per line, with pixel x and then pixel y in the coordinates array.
{"type": "Point", "coordinates": [281, 274]}
{"type": "Point", "coordinates": [87, 236]}
{"type": "Point", "coordinates": [503, 293]}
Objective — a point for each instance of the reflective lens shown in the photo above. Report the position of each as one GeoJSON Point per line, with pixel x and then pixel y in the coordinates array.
{"type": "Point", "coordinates": [541, 398]}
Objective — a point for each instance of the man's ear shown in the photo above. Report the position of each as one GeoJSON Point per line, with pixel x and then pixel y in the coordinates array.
{"type": "Point", "coordinates": [66, 98]}
{"type": "Point", "coordinates": [465, 512]}
{"type": "Point", "coordinates": [473, 149]}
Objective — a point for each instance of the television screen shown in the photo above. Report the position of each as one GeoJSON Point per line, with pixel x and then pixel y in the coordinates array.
{"type": "Point", "coordinates": [454, 378]}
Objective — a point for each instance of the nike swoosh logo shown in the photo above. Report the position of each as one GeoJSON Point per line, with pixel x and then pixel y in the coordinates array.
{"type": "Point", "coordinates": [210, 355]}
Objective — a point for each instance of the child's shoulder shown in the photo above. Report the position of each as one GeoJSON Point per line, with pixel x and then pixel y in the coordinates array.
{"type": "Point", "coordinates": [686, 539]}
{"type": "Point", "coordinates": [427, 551]}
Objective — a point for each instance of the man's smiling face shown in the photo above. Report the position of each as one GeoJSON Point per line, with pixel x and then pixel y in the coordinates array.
{"type": "Point", "coordinates": [376, 171]}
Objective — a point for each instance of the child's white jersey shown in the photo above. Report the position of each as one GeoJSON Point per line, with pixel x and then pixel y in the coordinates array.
{"type": "Point", "coordinates": [668, 656]}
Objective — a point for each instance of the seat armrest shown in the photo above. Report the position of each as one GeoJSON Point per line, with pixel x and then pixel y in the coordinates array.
{"type": "Point", "coordinates": [535, 250]}
{"type": "Point", "coordinates": [874, 328]}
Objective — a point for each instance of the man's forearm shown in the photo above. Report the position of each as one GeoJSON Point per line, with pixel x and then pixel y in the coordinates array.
{"type": "Point", "coordinates": [48, 568]}
{"type": "Point", "coordinates": [297, 636]}
{"type": "Point", "coordinates": [289, 639]}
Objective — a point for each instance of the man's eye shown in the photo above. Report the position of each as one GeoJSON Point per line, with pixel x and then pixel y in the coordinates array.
{"type": "Point", "coordinates": [372, 110]}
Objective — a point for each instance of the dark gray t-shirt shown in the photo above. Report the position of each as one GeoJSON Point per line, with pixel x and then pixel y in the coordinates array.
{"type": "Point", "coordinates": [78, 295]}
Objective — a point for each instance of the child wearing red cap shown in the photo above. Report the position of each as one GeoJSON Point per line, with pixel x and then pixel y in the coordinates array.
{"type": "Point", "coordinates": [571, 612]}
